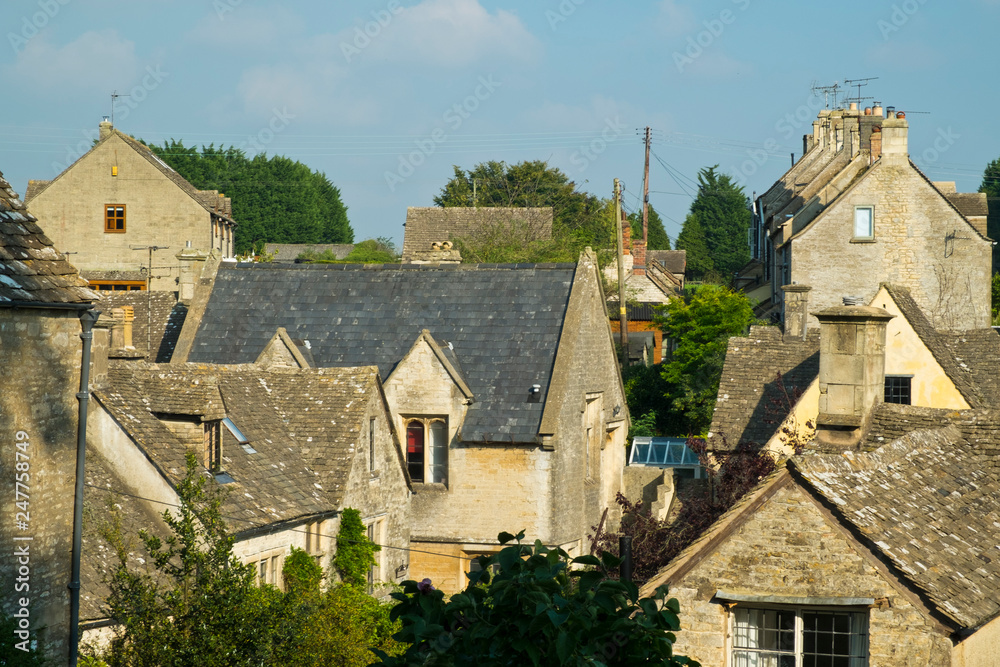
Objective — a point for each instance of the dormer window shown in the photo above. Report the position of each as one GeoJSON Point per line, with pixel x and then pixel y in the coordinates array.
{"type": "Point", "coordinates": [427, 450]}
{"type": "Point", "coordinates": [213, 445]}
{"type": "Point", "coordinates": [864, 222]}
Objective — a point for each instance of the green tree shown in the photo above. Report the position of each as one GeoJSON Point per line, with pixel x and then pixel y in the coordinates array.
{"type": "Point", "coordinates": [722, 211]}
{"type": "Point", "coordinates": [657, 238]}
{"type": "Point", "coordinates": [991, 186]}
{"type": "Point", "coordinates": [355, 553]}
{"type": "Point", "coordinates": [995, 298]}
{"type": "Point", "coordinates": [275, 199]}
{"type": "Point", "coordinates": [692, 239]}
{"type": "Point", "coordinates": [12, 656]}
{"type": "Point", "coordinates": [537, 609]}
{"type": "Point", "coordinates": [372, 251]}
{"type": "Point", "coordinates": [700, 326]}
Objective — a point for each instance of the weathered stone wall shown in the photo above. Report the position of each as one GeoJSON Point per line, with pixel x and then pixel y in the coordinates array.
{"type": "Point", "coordinates": [787, 548]}
{"type": "Point", "coordinates": [157, 213]}
{"type": "Point", "coordinates": [40, 355]}
{"type": "Point", "coordinates": [920, 242]}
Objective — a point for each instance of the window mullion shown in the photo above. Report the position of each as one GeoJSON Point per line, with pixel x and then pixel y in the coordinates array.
{"type": "Point", "coordinates": [799, 627]}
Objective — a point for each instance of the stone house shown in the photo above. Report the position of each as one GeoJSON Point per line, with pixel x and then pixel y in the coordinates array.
{"type": "Point", "coordinates": [119, 207]}
{"type": "Point", "coordinates": [854, 212]}
{"type": "Point", "coordinates": [291, 447]}
{"type": "Point", "coordinates": [501, 380]}
{"type": "Point", "coordinates": [875, 546]}
{"type": "Point", "coordinates": [430, 230]}
{"type": "Point", "coordinates": [46, 319]}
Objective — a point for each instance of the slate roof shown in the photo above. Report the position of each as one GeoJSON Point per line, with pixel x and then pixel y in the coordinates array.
{"type": "Point", "coordinates": [304, 425]}
{"type": "Point", "coordinates": [31, 269]}
{"type": "Point", "coordinates": [930, 502]}
{"type": "Point", "coordinates": [427, 225]}
{"type": "Point", "coordinates": [751, 404]}
{"type": "Point", "coordinates": [674, 261]}
{"type": "Point", "coordinates": [210, 200]}
{"type": "Point", "coordinates": [288, 252]}
{"type": "Point", "coordinates": [166, 318]}
{"type": "Point", "coordinates": [504, 322]}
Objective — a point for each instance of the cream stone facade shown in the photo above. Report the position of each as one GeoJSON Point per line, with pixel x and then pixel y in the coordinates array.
{"type": "Point", "coordinates": [151, 205]}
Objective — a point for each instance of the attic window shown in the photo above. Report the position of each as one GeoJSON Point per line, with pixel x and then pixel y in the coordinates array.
{"type": "Point", "coordinates": [114, 218]}
{"type": "Point", "coordinates": [238, 434]}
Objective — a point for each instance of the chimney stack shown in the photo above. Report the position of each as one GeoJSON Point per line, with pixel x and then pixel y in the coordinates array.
{"type": "Point", "coordinates": [796, 310]}
{"type": "Point", "coordinates": [639, 258]}
{"type": "Point", "coordinates": [104, 129]}
{"type": "Point", "coordinates": [894, 131]}
{"type": "Point", "coordinates": [851, 373]}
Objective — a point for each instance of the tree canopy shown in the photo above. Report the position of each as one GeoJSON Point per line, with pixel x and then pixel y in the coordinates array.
{"type": "Point", "coordinates": [539, 608]}
{"type": "Point", "coordinates": [275, 199]}
{"type": "Point", "coordinates": [991, 186]}
{"type": "Point", "coordinates": [657, 238]}
{"type": "Point", "coordinates": [579, 218]}
{"type": "Point", "coordinates": [715, 231]}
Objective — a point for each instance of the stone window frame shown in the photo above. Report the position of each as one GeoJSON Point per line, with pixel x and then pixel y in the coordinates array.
{"type": "Point", "coordinates": [112, 219]}
{"type": "Point", "coordinates": [864, 238]}
{"type": "Point", "coordinates": [594, 434]}
{"type": "Point", "coordinates": [372, 468]}
{"type": "Point", "coordinates": [375, 529]}
{"type": "Point", "coordinates": [424, 466]}
{"type": "Point", "coordinates": [213, 445]}
{"type": "Point", "coordinates": [268, 566]}
{"type": "Point", "coordinates": [859, 628]}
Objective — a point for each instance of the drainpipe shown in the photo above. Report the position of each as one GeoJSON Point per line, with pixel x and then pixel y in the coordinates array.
{"type": "Point", "coordinates": [87, 319]}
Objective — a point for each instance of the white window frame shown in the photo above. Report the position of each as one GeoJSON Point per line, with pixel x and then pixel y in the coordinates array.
{"type": "Point", "coordinates": [433, 473]}
{"type": "Point", "coordinates": [860, 617]}
{"type": "Point", "coordinates": [870, 223]}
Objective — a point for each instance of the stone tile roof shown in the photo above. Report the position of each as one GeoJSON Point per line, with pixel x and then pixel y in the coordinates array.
{"type": "Point", "coordinates": [751, 403]}
{"type": "Point", "coordinates": [969, 204]}
{"type": "Point", "coordinates": [304, 425]}
{"type": "Point", "coordinates": [504, 322]}
{"type": "Point", "coordinates": [288, 252]}
{"type": "Point", "coordinates": [930, 502]}
{"type": "Point", "coordinates": [34, 187]}
{"type": "Point", "coordinates": [31, 269]}
{"type": "Point", "coordinates": [674, 261]}
{"type": "Point", "coordinates": [166, 319]}
{"type": "Point", "coordinates": [427, 225]}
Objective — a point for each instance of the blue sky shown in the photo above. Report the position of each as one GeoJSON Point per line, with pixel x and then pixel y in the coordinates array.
{"type": "Point", "coordinates": [385, 96]}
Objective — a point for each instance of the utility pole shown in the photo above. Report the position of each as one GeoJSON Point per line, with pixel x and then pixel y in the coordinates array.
{"type": "Point", "coordinates": [645, 193]}
{"type": "Point", "coordinates": [622, 317]}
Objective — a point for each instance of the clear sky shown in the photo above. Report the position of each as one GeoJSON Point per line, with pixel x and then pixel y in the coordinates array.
{"type": "Point", "coordinates": [385, 96]}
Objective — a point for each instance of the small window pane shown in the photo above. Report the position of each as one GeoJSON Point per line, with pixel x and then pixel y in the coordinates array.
{"type": "Point", "coordinates": [439, 453]}
{"type": "Point", "coordinates": [415, 450]}
{"type": "Point", "coordinates": [897, 389]}
{"type": "Point", "coordinates": [640, 453]}
{"type": "Point", "coordinates": [863, 223]}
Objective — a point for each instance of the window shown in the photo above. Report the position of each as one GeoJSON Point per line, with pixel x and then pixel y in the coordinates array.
{"type": "Point", "coordinates": [897, 389]}
{"type": "Point", "coordinates": [117, 285]}
{"type": "Point", "coordinates": [666, 453]}
{"type": "Point", "coordinates": [213, 445]}
{"type": "Point", "coordinates": [427, 450]}
{"type": "Point", "coordinates": [314, 536]}
{"type": "Point", "coordinates": [371, 445]}
{"type": "Point", "coordinates": [799, 638]}
{"type": "Point", "coordinates": [114, 218]}
{"type": "Point", "coordinates": [864, 222]}
{"type": "Point", "coordinates": [376, 534]}
{"type": "Point", "coordinates": [594, 433]}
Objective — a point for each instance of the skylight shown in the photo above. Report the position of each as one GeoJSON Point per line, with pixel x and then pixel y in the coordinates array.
{"type": "Point", "coordinates": [238, 434]}
{"type": "Point", "coordinates": [662, 453]}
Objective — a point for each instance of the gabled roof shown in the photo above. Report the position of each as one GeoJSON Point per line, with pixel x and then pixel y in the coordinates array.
{"type": "Point", "coordinates": [427, 225]}
{"type": "Point", "coordinates": [211, 200]}
{"type": "Point", "coordinates": [305, 426]}
{"type": "Point", "coordinates": [503, 321]}
{"type": "Point", "coordinates": [31, 269]}
{"type": "Point", "coordinates": [674, 261]}
{"type": "Point", "coordinates": [930, 503]}
{"type": "Point", "coordinates": [751, 402]}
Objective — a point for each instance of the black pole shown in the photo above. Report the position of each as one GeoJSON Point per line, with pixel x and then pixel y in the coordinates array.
{"type": "Point", "coordinates": [87, 320]}
{"type": "Point", "coordinates": [625, 552]}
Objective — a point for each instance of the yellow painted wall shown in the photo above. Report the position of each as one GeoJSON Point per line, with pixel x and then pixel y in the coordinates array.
{"type": "Point", "coordinates": [979, 650]}
{"type": "Point", "coordinates": [800, 424]}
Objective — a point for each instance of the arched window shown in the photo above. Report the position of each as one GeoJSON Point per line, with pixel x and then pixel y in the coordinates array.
{"type": "Point", "coordinates": [415, 450]}
{"type": "Point", "coordinates": [427, 450]}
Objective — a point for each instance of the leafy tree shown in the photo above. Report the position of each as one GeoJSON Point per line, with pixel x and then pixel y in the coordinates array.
{"type": "Point", "coordinates": [355, 553]}
{"type": "Point", "coordinates": [715, 232]}
{"type": "Point", "coordinates": [579, 219]}
{"type": "Point", "coordinates": [692, 239]}
{"type": "Point", "coordinates": [275, 199]}
{"type": "Point", "coordinates": [657, 238]}
{"type": "Point", "coordinates": [12, 656]}
{"type": "Point", "coordinates": [373, 251]}
{"type": "Point", "coordinates": [995, 298]}
{"type": "Point", "coordinates": [700, 326]}
{"type": "Point", "coordinates": [646, 397]}
{"type": "Point", "coordinates": [536, 610]}
{"type": "Point", "coordinates": [991, 186]}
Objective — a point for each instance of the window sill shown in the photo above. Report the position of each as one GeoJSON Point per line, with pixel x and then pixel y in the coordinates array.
{"type": "Point", "coordinates": [427, 486]}
{"type": "Point", "coordinates": [863, 239]}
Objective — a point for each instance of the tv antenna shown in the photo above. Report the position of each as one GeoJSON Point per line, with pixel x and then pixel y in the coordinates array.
{"type": "Point", "coordinates": [826, 90]}
{"type": "Point", "coordinates": [859, 83]}
{"type": "Point", "coordinates": [114, 96]}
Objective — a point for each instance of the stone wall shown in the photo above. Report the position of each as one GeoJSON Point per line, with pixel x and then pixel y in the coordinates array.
{"type": "Point", "coordinates": [788, 548]}
{"type": "Point", "coordinates": [157, 213]}
{"type": "Point", "coordinates": [920, 242]}
{"type": "Point", "coordinates": [40, 354]}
